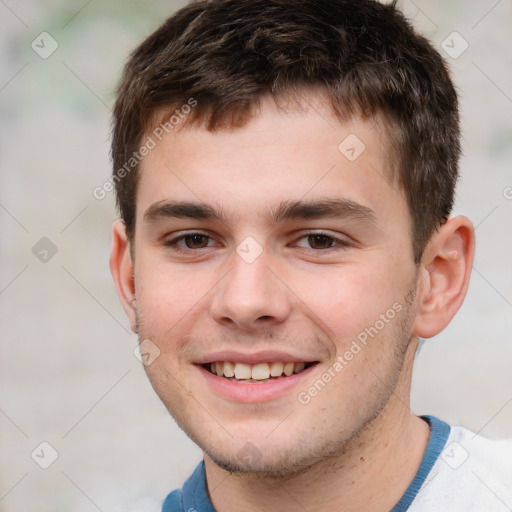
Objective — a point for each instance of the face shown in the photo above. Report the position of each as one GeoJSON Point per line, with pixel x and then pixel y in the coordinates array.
{"type": "Point", "coordinates": [274, 273]}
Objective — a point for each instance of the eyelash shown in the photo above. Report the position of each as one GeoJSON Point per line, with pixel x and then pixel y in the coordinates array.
{"type": "Point", "coordinates": [341, 244]}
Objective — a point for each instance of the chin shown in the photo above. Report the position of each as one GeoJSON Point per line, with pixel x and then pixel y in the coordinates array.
{"type": "Point", "coordinates": [283, 456]}
{"type": "Point", "coordinates": [249, 460]}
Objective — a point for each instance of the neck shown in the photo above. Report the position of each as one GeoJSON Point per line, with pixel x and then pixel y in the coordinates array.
{"type": "Point", "coordinates": [372, 473]}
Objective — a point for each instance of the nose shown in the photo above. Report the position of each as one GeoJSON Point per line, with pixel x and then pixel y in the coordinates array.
{"type": "Point", "coordinates": [251, 296]}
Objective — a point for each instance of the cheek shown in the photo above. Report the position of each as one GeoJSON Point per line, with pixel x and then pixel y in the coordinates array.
{"type": "Point", "coordinates": [346, 301]}
{"type": "Point", "coordinates": [166, 295]}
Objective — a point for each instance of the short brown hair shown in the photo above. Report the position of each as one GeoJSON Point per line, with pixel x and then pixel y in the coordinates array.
{"type": "Point", "coordinates": [229, 54]}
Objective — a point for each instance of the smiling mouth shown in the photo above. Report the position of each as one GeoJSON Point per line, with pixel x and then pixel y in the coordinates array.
{"type": "Point", "coordinates": [261, 372]}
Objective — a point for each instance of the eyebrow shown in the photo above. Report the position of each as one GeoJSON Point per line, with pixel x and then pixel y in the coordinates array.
{"type": "Point", "coordinates": [286, 210]}
{"type": "Point", "coordinates": [322, 208]}
{"type": "Point", "coordinates": [183, 209]}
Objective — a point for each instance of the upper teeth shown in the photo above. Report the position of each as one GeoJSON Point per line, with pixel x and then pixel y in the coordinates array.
{"type": "Point", "coordinates": [260, 371]}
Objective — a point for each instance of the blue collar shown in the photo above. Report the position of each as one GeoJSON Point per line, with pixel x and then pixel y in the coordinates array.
{"type": "Point", "coordinates": [439, 432]}
{"type": "Point", "coordinates": [194, 495]}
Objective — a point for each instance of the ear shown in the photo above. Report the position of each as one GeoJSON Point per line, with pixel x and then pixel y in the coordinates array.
{"type": "Point", "coordinates": [445, 271]}
{"type": "Point", "coordinates": [122, 269]}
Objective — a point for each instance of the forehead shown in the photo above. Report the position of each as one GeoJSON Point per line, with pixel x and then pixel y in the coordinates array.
{"type": "Point", "coordinates": [282, 153]}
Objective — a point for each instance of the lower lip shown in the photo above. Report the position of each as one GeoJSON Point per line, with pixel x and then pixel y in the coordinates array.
{"type": "Point", "coordinates": [253, 392]}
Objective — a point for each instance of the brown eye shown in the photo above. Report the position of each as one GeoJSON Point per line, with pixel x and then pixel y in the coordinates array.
{"type": "Point", "coordinates": [190, 242]}
{"type": "Point", "coordinates": [320, 241]}
{"type": "Point", "coordinates": [196, 241]}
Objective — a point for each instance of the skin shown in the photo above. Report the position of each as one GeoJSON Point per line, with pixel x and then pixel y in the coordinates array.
{"type": "Point", "coordinates": [355, 445]}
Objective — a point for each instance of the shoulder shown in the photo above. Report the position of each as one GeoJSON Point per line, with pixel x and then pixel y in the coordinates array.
{"type": "Point", "coordinates": [193, 496]}
{"type": "Point", "coordinates": [173, 502]}
{"type": "Point", "coordinates": [478, 455]}
{"type": "Point", "coordinates": [472, 473]}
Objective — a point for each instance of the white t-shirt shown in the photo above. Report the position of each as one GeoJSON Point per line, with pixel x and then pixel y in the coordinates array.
{"type": "Point", "coordinates": [471, 474]}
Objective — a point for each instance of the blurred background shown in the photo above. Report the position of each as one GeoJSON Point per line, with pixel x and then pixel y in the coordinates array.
{"type": "Point", "coordinates": [68, 376]}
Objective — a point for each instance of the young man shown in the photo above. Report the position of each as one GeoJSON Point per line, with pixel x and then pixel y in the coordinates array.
{"type": "Point", "coordinates": [285, 171]}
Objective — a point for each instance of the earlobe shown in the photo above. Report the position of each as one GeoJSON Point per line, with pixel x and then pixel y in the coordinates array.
{"type": "Point", "coordinates": [122, 269]}
{"type": "Point", "coordinates": [446, 269]}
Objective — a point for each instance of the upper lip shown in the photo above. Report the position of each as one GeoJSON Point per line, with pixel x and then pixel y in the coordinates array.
{"type": "Point", "coordinates": [267, 356]}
